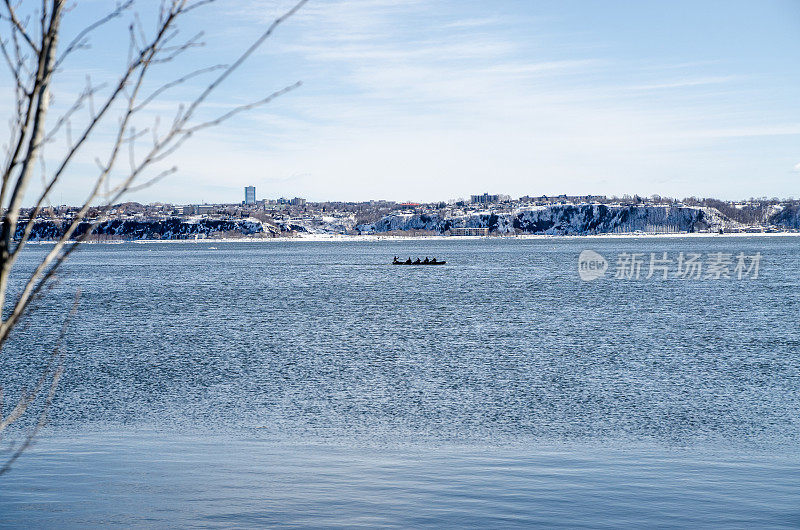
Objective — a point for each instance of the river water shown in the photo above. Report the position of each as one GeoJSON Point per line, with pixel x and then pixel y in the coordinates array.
{"type": "Point", "coordinates": [313, 384]}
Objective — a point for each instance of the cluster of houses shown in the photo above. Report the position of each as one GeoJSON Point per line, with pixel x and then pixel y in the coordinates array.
{"type": "Point", "coordinates": [300, 212]}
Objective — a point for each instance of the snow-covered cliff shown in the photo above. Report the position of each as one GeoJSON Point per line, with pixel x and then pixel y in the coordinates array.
{"type": "Point", "coordinates": [173, 228]}
{"type": "Point", "coordinates": [786, 217]}
{"type": "Point", "coordinates": [555, 220]}
{"type": "Point", "coordinates": [562, 220]}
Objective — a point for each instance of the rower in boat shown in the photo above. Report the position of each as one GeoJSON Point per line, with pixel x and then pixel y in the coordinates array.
{"type": "Point", "coordinates": [418, 261]}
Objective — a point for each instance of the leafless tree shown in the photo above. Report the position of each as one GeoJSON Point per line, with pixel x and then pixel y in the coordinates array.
{"type": "Point", "coordinates": [36, 52]}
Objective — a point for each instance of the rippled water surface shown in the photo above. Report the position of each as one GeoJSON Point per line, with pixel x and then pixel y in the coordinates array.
{"type": "Point", "coordinates": [313, 384]}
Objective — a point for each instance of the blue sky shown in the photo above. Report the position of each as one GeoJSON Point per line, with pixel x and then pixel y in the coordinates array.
{"type": "Point", "coordinates": [426, 100]}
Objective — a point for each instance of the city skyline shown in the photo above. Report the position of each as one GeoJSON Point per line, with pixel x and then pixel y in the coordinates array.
{"type": "Point", "coordinates": [252, 198]}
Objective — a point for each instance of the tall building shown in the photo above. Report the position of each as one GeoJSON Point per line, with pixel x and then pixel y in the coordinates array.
{"type": "Point", "coordinates": [485, 199]}
{"type": "Point", "coordinates": [249, 194]}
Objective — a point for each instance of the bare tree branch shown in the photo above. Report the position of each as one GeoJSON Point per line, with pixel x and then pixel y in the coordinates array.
{"type": "Point", "coordinates": [39, 424]}
{"type": "Point", "coordinates": [242, 58]}
{"type": "Point", "coordinates": [43, 77]}
{"type": "Point", "coordinates": [33, 76]}
{"type": "Point", "coordinates": [12, 16]}
{"type": "Point", "coordinates": [27, 398]}
{"type": "Point", "coordinates": [233, 112]}
{"type": "Point", "coordinates": [79, 41]}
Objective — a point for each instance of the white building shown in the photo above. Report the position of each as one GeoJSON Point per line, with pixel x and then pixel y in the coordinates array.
{"type": "Point", "coordinates": [461, 231]}
{"type": "Point", "coordinates": [249, 194]}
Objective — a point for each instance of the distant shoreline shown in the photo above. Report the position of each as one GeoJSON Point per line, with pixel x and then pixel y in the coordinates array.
{"type": "Point", "coordinates": [313, 238]}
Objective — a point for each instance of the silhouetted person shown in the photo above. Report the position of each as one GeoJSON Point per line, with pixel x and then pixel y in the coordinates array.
{"type": "Point", "coordinates": [408, 261]}
{"type": "Point", "coordinates": [426, 260]}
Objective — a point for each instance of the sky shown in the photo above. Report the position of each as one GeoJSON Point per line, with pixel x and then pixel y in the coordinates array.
{"type": "Point", "coordinates": [424, 100]}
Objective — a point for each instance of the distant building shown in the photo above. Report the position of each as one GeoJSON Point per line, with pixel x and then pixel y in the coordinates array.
{"type": "Point", "coordinates": [469, 231]}
{"type": "Point", "coordinates": [485, 199]}
{"type": "Point", "coordinates": [297, 201]}
{"type": "Point", "coordinates": [249, 194]}
{"type": "Point", "coordinates": [595, 198]}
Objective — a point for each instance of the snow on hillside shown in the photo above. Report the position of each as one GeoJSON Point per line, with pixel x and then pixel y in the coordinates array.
{"type": "Point", "coordinates": [786, 217]}
{"type": "Point", "coordinates": [581, 219]}
{"type": "Point", "coordinates": [172, 228]}
{"type": "Point", "coordinates": [562, 220]}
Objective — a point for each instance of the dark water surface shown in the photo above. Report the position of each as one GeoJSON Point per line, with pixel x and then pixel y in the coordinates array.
{"type": "Point", "coordinates": [312, 384]}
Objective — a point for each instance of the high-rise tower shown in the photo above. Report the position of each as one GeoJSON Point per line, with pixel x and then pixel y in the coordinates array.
{"type": "Point", "coordinates": [249, 194]}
